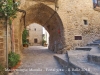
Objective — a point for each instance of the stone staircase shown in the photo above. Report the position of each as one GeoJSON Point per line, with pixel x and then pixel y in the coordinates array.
{"type": "Point", "coordinates": [82, 60]}
{"type": "Point", "coordinates": [93, 44]}
{"type": "Point", "coordinates": [83, 48]}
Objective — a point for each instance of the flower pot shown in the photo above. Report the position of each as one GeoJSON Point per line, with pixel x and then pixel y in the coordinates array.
{"type": "Point", "coordinates": [25, 45]}
{"type": "Point", "coordinates": [10, 73]}
{"type": "Point", "coordinates": [45, 45]}
{"type": "Point", "coordinates": [15, 67]}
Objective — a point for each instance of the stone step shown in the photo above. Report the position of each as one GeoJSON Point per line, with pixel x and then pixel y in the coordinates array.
{"type": "Point", "coordinates": [83, 48]}
{"type": "Point", "coordinates": [93, 44]}
{"type": "Point", "coordinates": [94, 58]}
{"type": "Point", "coordinates": [90, 69]}
{"type": "Point", "coordinates": [77, 67]}
{"type": "Point", "coordinates": [96, 42]}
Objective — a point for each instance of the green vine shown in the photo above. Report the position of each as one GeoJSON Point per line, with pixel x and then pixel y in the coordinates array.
{"type": "Point", "coordinates": [8, 9]}
{"type": "Point", "coordinates": [24, 36]}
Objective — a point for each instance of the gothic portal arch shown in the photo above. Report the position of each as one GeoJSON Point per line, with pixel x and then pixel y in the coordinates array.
{"type": "Point", "coordinates": [50, 20]}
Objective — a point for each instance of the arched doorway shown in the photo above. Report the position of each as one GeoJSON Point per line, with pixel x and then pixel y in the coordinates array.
{"type": "Point", "coordinates": [50, 20]}
{"type": "Point", "coordinates": [37, 35]}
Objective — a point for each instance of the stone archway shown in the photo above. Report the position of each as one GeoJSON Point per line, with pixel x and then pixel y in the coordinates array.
{"type": "Point", "coordinates": [50, 20]}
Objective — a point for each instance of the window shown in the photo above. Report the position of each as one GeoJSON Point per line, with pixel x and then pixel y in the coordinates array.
{"type": "Point", "coordinates": [85, 22]}
{"type": "Point", "coordinates": [35, 40]}
{"type": "Point", "coordinates": [78, 37]}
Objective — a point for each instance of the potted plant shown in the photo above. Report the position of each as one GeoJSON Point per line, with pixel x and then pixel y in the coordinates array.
{"type": "Point", "coordinates": [43, 42]}
{"type": "Point", "coordinates": [24, 38]}
{"type": "Point", "coordinates": [13, 60]}
{"type": "Point", "coordinates": [25, 44]}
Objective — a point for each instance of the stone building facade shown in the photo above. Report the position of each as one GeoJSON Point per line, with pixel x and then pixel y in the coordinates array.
{"type": "Point", "coordinates": [70, 23]}
{"type": "Point", "coordinates": [35, 34]}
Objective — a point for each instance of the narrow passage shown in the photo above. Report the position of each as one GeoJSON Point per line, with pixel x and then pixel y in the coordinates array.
{"type": "Point", "coordinates": [39, 60]}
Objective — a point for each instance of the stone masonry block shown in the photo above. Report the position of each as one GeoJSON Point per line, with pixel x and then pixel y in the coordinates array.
{"type": "Point", "coordinates": [1, 45]}
{"type": "Point", "coordinates": [16, 40]}
{"type": "Point", "coordinates": [1, 33]}
{"type": "Point", "coordinates": [1, 52]}
{"type": "Point", "coordinates": [1, 59]}
{"type": "Point", "coordinates": [1, 40]}
{"type": "Point", "coordinates": [1, 27]}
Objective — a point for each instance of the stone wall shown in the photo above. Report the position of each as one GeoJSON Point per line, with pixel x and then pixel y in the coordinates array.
{"type": "Point", "coordinates": [73, 14]}
{"type": "Point", "coordinates": [73, 18]}
{"type": "Point", "coordinates": [35, 32]}
{"type": "Point", "coordinates": [69, 19]}
{"type": "Point", "coordinates": [2, 42]}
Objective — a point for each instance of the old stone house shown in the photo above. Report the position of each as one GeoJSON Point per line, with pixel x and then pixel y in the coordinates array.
{"type": "Point", "coordinates": [35, 34]}
{"type": "Point", "coordinates": [70, 23]}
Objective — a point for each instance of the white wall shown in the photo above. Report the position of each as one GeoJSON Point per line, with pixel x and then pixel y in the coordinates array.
{"type": "Point", "coordinates": [35, 32]}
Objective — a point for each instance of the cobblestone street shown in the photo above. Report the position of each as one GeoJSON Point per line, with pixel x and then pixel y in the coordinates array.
{"type": "Point", "coordinates": [39, 60]}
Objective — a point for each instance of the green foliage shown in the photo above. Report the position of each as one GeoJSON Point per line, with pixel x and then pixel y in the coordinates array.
{"type": "Point", "coordinates": [24, 36]}
{"type": "Point", "coordinates": [1, 70]}
{"type": "Point", "coordinates": [8, 8]}
{"type": "Point", "coordinates": [43, 42]}
{"type": "Point", "coordinates": [13, 59]}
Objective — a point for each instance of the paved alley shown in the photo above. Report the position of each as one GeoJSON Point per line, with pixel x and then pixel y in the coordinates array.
{"type": "Point", "coordinates": [39, 60]}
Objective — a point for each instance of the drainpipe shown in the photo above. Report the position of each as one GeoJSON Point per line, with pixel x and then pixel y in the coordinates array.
{"type": "Point", "coordinates": [12, 37]}
{"type": "Point", "coordinates": [23, 11]}
{"type": "Point", "coordinates": [12, 30]}
{"type": "Point", "coordinates": [6, 42]}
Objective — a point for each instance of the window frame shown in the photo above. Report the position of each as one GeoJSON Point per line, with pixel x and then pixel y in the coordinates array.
{"type": "Point", "coordinates": [35, 40]}
{"type": "Point", "coordinates": [77, 37]}
{"type": "Point", "coordinates": [85, 22]}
